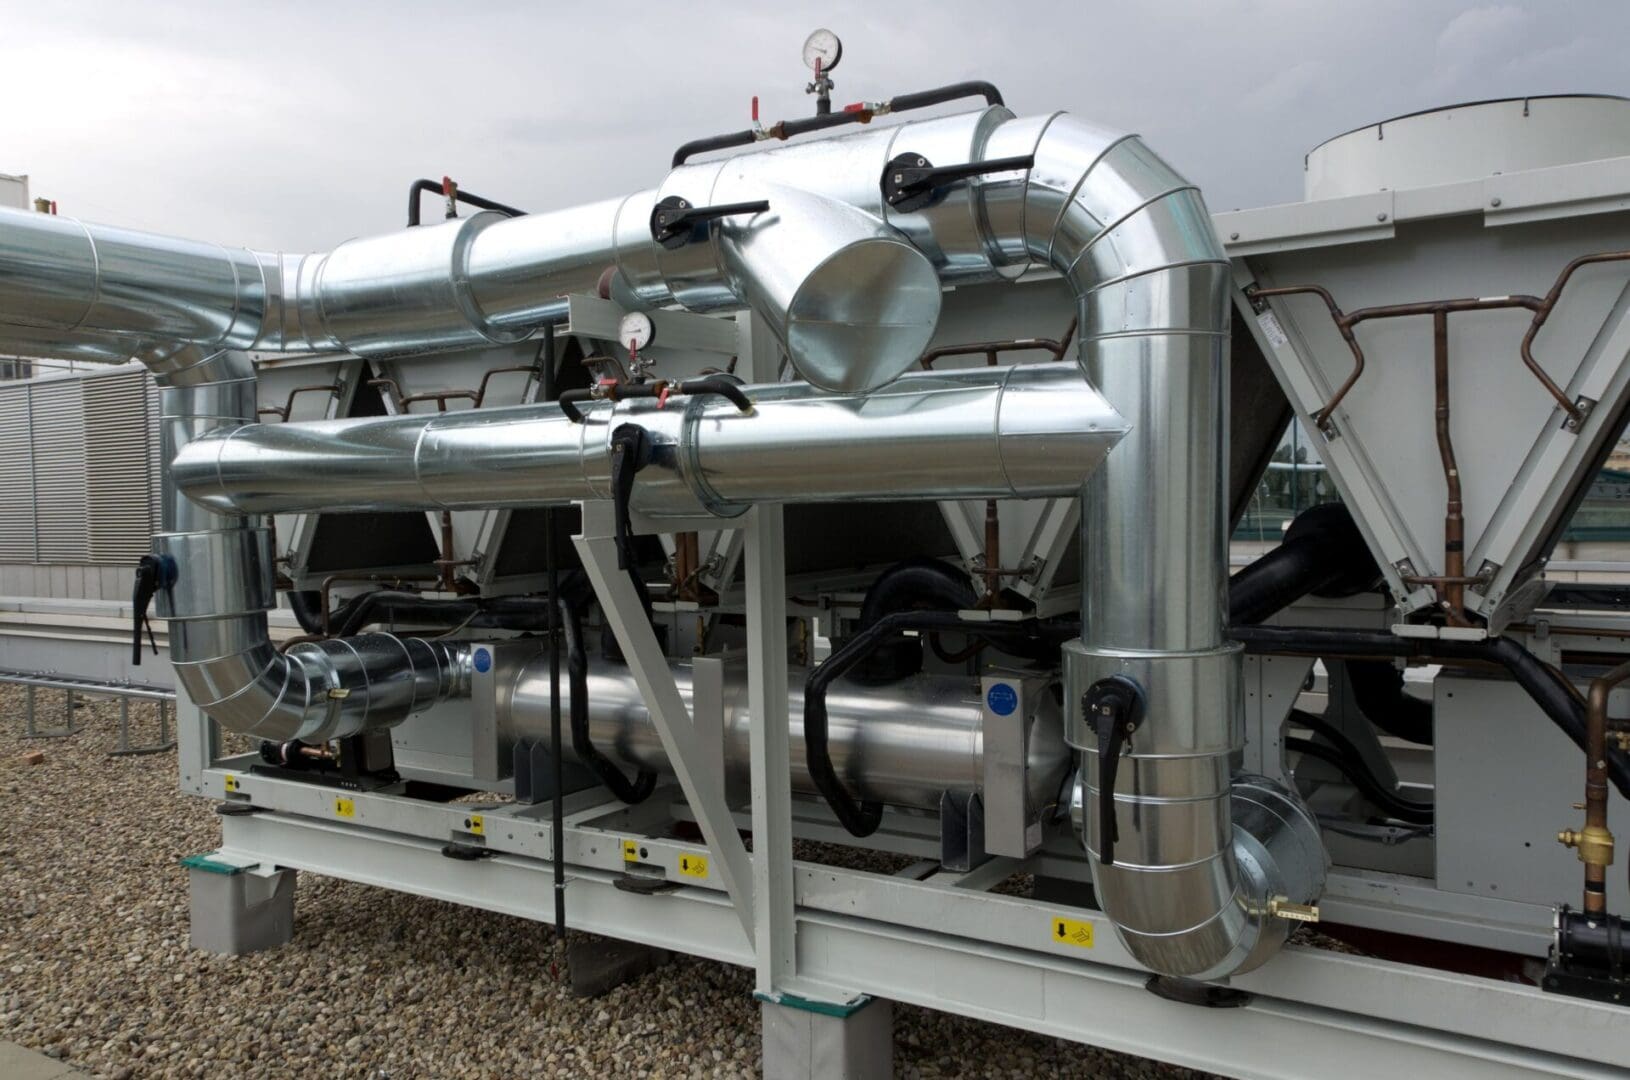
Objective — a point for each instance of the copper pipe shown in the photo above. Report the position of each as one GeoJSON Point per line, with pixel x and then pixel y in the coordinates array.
{"type": "Point", "coordinates": [1543, 312]}
{"type": "Point", "coordinates": [476, 397]}
{"type": "Point", "coordinates": [993, 555]}
{"type": "Point", "coordinates": [1541, 308]}
{"type": "Point", "coordinates": [288, 404]}
{"type": "Point", "coordinates": [991, 350]}
{"type": "Point", "coordinates": [1454, 520]}
{"type": "Point", "coordinates": [1595, 842]}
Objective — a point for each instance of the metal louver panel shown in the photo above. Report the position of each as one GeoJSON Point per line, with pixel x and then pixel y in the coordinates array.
{"type": "Point", "coordinates": [62, 516]}
{"type": "Point", "coordinates": [118, 461]}
{"type": "Point", "coordinates": [16, 476]}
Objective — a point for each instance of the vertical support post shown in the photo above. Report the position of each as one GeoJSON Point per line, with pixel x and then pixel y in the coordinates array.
{"type": "Point", "coordinates": [768, 748]}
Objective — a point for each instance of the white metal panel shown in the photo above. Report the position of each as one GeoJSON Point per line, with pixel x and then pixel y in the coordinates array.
{"type": "Point", "coordinates": [118, 458]}
{"type": "Point", "coordinates": [16, 476]}
{"type": "Point", "coordinates": [57, 415]}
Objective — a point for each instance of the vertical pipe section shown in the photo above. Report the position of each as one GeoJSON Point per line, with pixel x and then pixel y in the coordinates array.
{"type": "Point", "coordinates": [1197, 873]}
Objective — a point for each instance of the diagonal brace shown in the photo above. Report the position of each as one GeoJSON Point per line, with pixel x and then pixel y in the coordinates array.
{"type": "Point", "coordinates": [698, 773]}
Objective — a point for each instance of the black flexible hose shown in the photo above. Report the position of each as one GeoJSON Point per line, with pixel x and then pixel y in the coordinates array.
{"type": "Point", "coordinates": [307, 606]}
{"type": "Point", "coordinates": [1346, 757]}
{"type": "Point", "coordinates": [527, 614]}
{"type": "Point", "coordinates": [863, 818]}
{"type": "Point", "coordinates": [1323, 553]}
{"type": "Point", "coordinates": [1378, 690]}
{"type": "Point", "coordinates": [577, 672]}
{"type": "Point", "coordinates": [917, 582]}
{"type": "Point", "coordinates": [1547, 689]}
{"type": "Point", "coordinates": [1401, 809]}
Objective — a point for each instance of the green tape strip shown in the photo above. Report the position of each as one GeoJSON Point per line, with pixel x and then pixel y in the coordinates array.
{"type": "Point", "coordinates": [209, 865]}
{"type": "Point", "coordinates": [841, 1010]}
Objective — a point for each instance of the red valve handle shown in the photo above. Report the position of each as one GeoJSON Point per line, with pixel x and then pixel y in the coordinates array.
{"type": "Point", "coordinates": [755, 108]}
{"type": "Point", "coordinates": [662, 396]}
{"type": "Point", "coordinates": [447, 185]}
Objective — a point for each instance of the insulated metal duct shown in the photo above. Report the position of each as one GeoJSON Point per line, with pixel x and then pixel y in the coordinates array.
{"type": "Point", "coordinates": [221, 584]}
{"type": "Point", "coordinates": [486, 279]}
{"type": "Point", "coordinates": [904, 744]}
{"type": "Point", "coordinates": [1021, 432]}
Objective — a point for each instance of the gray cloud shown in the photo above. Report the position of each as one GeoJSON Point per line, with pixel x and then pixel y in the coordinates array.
{"type": "Point", "coordinates": [296, 125]}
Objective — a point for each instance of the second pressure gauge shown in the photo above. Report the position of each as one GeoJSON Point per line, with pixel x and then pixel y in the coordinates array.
{"type": "Point", "coordinates": [822, 51]}
{"type": "Point", "coordinates": [635, 331]}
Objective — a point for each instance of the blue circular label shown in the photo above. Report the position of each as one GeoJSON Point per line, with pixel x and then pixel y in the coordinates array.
{"type": "Point", "coordinates": [1002, 699]}
{"type": "Point", "coordinates": [483, 661]}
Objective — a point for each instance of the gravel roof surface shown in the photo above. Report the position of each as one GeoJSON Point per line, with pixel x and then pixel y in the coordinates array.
{"type": "Point", "coordinates": [95, 968]}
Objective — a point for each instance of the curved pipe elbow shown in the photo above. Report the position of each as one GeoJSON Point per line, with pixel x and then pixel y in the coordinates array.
{"type": "Point", "coordinates": [317, 690]}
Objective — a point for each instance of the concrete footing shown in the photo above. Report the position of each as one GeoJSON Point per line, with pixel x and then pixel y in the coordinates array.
{"type": "Point", "coordinates": [599, 967]}
{"type": "Point", "coordinates": [236, 910]}
{"type": "Point", "coordinates": [808, 1040]}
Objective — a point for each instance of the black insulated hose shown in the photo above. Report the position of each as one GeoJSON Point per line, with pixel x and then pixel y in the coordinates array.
{"type": "Point", "coordinates": [1323, 554]}
{"type": "Point", "coordinates": [863, 818]}
{"type": "Point", "coordinates": [1346, 758]}
{"type": "Point", "coordinates": [577, 674]}
{"type": "Point", "coordinates": [1549, 690]}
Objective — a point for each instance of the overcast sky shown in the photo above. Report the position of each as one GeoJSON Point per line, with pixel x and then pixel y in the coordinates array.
{"type": "Point", "coordinates": [295, 125]}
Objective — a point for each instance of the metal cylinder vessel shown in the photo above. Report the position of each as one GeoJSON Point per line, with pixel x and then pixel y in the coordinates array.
{"type": "Point", "coordinates": [903, 744]}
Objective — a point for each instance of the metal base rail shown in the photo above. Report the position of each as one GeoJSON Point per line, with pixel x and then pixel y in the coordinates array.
{"type": "Point", "coordinates": [993, 957]}
{"type": "Point", "coordinates": [73, 686]}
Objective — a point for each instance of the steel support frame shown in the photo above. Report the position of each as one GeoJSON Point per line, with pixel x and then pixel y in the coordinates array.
{"type": "Point", "coordinates": [696, 767]}
{"type": "Point", "coordinates": [992, 957]}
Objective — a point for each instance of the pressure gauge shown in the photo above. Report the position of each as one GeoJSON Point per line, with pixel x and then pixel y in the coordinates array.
{"type": "Point", "coordinates": [822, 51]}
{"type": "Point", "coordinates": [635, 331]}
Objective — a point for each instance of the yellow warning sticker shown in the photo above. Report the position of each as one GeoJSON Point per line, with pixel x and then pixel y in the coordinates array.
{"type": "Point", "coordinates": [476, 824]}
{"type": "Point", "coordinates": [693, 865]}
{"type": "Point", "coordinates": [231, 783]}
{"type": "Point", "coordinates": [631, 851]}
{"type": "Point", "coordinates": [1072, 932]}
{"type": "Point", "coordinates": [345, 807]}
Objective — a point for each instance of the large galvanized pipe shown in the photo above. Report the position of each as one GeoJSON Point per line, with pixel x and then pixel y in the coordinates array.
{"type": "Point", "coordinates": [222, 583]}
{"type": "Point", "coordinates": [904, 744]}
{"type": "Point", "coordinates": [1203, 862]}
{"type": "Point", "coordinates": [481, 280]}
{"type": "Point", "coordinates": [1021, 432]}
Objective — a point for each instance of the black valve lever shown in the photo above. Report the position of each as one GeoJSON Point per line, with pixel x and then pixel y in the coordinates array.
{"type": "Point", "coordinates": [630, 452]}
{"type": "Point", "coordinates": [152, 574]}
{"type": "Point", "coordinates": [675, 222]}
{"type": "Point", "coordinates": [1116, 707]}
{"type": "Point", "coordinates": [911, 182]}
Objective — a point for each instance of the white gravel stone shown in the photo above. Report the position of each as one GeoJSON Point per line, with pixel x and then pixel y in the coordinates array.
{"type": "Point", "coordinates": [93, 932]}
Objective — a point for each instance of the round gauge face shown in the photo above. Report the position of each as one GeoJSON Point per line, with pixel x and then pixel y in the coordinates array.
{"type": "Point", "coordinates": [635, 330]}
{"type": "Point", "coordinates": [823, 50]}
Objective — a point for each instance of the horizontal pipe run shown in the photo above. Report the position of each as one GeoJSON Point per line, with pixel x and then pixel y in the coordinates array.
{"type": "Point", "coordinates": [903, 744]}
{"type": "Point", "coordinates": [1025, 432]}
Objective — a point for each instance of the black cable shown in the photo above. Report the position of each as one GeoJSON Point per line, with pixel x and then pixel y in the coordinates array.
{"type": "Point", "coordinates": [1347, 758]}
{"type": "Point", "coordinates": [551, 558]}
